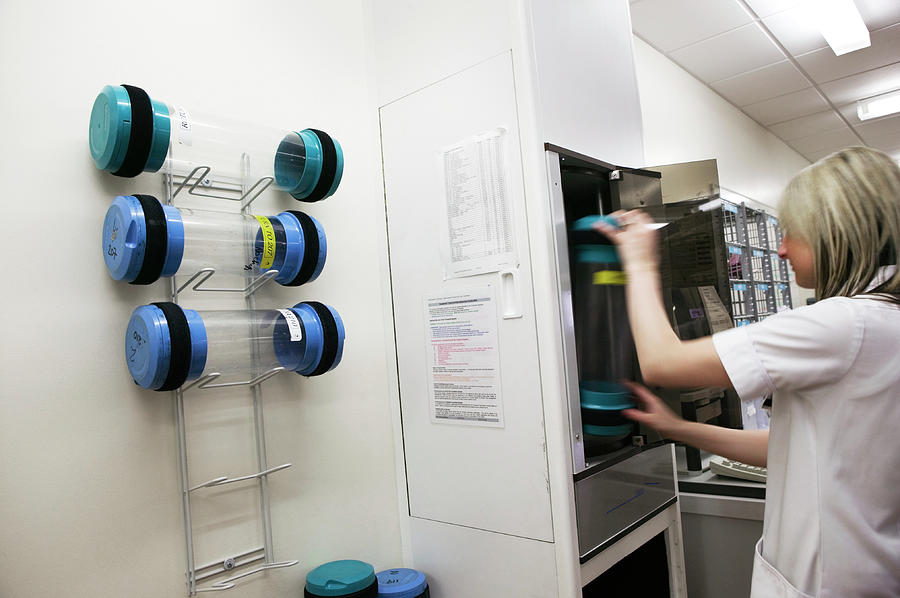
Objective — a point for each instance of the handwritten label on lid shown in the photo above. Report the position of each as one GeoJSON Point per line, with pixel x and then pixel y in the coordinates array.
{"type": "Point", "coordinates": [293, 324]}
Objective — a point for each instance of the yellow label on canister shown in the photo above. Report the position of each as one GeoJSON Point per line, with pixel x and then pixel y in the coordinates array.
{"type": "Point", "coordinates": [268, 234]}
{"type": "Point", "coordinates": [616, 277]}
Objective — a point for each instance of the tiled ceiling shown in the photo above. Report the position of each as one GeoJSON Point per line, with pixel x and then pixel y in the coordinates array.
{"type": "Point", "coordinates": [765, 58]}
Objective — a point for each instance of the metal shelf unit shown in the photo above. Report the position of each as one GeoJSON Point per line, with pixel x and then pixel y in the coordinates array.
{"type": "Point", "coordinates": [750, 275]}
{"type": "Point", "coordinates": [244, 562]}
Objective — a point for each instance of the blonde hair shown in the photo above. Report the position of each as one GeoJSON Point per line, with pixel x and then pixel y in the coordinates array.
{"type": "Point", "coordinates": [846, 207]}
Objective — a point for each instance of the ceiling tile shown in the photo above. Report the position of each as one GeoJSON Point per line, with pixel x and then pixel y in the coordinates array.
{"type": "Point", "coordinates": [786, 107]}
{"type": "Point", "coordinates": [817, 155]}
{"type": "Point", "coordinates": [879, 13]}
{"type": "Point", "coordinates": [888, 146]}
{"type": "Point", "coordinates": [729, 54]}
{"type": "Point", "coordinates": [808, 125]}
{"type": "Point", "coordinates": [827, 141]}
{"type": "Point", "coordinates": [762, 84]}
{"type": "Point", "coordinates": [880, 129]}
{"type": "Point", "coordinates": [671, 24]}
{"type": "Point", "coordinates": [823, 66]}
{"type": "Point", "coordinates": [863, 85]}
{"type": "Point", "coordinates": [795, 32]}
{"type": "Point", "coordinates": [764, 8]}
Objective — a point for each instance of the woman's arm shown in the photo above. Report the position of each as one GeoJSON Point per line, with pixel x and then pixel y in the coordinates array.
{"type": "Point", "coordinates": [665, 359]}
{"type": "Point", "coordinates": [746, 446]}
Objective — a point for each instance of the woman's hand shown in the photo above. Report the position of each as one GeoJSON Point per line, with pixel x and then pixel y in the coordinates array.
{"type": "Point", "coordinates": [653, 412]}
{"type": "Point", "coordinates": [636, 242]}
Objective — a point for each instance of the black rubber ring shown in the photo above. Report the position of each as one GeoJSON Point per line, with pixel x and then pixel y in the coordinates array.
{"type": "Point", "coordinates": [370, 591]}
{"type": "Point", "coordinates": [329, 168]}
{"type": "Point", "coordinates": [310, 249]}
{"type": "Point", "coordinates": [141, 133]}
{"type": "Point", "coordinates": [329, 338]}
{"type": "Point", "coordinates": [157, 240]}
{"type": "Point", "coordinates": [180, 342]}
{"type": "Point", "coordinates": [603, 417]}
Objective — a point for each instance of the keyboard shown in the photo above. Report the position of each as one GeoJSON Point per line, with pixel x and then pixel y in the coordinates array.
{"type": "Point", "coordinates": [736, 469]}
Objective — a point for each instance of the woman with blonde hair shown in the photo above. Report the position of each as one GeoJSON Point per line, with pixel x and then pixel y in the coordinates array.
{"type": "Point", "coordinates": [832, 516]}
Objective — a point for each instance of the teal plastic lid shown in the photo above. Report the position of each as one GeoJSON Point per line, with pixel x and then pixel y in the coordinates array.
{"type": "Point", "coordinates": [110, 127]}
{"type": "Point", "coordinates": [110, 130]}
{"type": "Point", "coordinates": [588, 222]}
{"type": "Point", "coordinates": [600, 394]}
{"type": "Point", "coordinates": [340, 578]}
{"type": "Point", "coordinates": [597, 254]}
{"type": "Point", "coordinates": [590, 245]}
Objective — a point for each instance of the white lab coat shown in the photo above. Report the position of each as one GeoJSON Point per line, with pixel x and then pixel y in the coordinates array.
{"type": "Point", "coordinates": [832, 520]}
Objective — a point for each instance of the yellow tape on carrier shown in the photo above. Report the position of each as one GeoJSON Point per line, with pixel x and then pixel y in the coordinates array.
{"type": "Point", "coordinates": [268, 234]}
{"type": "Point", "coordinates": [613, 277]}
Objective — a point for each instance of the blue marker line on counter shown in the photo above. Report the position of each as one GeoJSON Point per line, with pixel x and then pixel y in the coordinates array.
{"type": "Point", "coordinates": [637, 494]}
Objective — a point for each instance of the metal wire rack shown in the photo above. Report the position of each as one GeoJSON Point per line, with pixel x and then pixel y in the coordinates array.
{"type": "Point", "coordinates": [242, 563]}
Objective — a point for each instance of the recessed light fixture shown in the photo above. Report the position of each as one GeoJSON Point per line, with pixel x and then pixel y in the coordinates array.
{"type": "Point", "coordinates": [840, 23]}
{"type": "Point", "coordinates": [881, 105]}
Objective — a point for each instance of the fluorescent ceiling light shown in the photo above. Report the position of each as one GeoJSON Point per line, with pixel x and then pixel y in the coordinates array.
{"type": "Point", "coordinates": [840, 23]}
{"type": "Point", "coordinates": [886, 103]}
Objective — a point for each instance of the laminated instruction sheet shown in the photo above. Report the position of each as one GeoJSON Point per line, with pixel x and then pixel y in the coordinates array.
{"type": "Point", "coordinates": [477, 235]}
{"type": "Point", "coordinates": [463, 358]}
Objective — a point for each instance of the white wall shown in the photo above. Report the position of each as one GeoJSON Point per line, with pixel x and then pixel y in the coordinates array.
{"type": "Point", "coordinates": [685, 121]}
{"type": "Point", "coordinates": [89, 494]}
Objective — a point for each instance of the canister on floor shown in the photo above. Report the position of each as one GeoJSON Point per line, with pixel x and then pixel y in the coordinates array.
{"type": "Point", "coordinates": [402, 583]}
{"type": "Point", "coordinates": [346, 578]}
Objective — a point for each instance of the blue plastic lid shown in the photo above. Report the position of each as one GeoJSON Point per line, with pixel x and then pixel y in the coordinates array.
{"type": "Point", "coordinates": [124, 240]}
{"type": "Point", "coordinates": [110, 130]}
{"type": "Point", "coordinates": [323, 249]}
{"type": "Point", "coordinates": [600, 394]}
{"type": "Point", "coordinates": [198, 343]}
{"type": "Point", "coordinates": [401, 583]}
{"type": "Point", "coordinates": [174, 240]}
{"type": "Point", "coordinates": [148, 347]}
{"type": "Point", "coordinates": [340, 578]}
{"type": "Point", "coordinates": [296, 248]}
{"type": "Point", "coordinates": [303, 355]}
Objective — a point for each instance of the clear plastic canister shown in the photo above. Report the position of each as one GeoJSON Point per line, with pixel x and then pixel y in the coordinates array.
{"type": "Point", "coordinates": [167, 345]}
{"type": "Point", "coordinates": [144, 240]}
{"type": "Point", "coordinates": [132, 133]}
{"type": "Point", "coordinates": [603, 338]}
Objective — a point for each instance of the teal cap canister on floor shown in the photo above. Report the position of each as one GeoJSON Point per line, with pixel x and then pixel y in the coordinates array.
{"type": "Point", "coordinates": [347, 578]}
